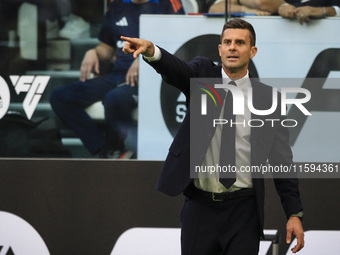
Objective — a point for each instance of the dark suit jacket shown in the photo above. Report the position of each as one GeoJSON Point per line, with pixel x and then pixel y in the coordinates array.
{"type": "Point", "coordinates": [267, 143]}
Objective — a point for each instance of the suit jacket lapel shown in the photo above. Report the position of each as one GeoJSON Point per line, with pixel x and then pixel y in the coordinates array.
{"type": "Point", "coordinates": [259, 98]}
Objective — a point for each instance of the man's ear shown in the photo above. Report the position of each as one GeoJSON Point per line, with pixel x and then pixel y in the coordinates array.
{"type": "Point", "coordinates": [253, 51]}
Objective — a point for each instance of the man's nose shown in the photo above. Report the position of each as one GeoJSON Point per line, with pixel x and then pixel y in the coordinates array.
{"type": "Point", "coordinates": [232, 46]}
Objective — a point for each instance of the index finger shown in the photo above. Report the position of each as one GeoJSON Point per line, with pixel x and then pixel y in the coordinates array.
{"type": "Point", "coordinates": [300, 244]}
{"type": "Point", "coordinates": [125, 38]}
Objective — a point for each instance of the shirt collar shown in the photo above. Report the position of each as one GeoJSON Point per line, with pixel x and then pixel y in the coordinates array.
{"type": "Point", "coordinates": [243, 82]}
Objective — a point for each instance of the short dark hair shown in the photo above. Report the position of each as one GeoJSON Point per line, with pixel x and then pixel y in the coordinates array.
{"type": "Point", "coordinates": [240, 24]}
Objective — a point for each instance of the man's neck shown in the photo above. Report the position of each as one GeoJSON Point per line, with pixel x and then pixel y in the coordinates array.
{"type": "Point", "coordinates": [234, 76]}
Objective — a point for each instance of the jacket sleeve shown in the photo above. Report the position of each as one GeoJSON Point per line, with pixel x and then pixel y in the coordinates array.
{"type": "Point", "coordinates": [281, 154]}
{"type": "Point", "coordinates": [176, 71]}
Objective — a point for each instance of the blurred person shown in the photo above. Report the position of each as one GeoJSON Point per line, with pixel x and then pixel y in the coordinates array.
{"type": "Point", "coordinates": [79, 16]}
{"type": "Point", "coordinates": [117, 90]}
{"type": "Point", "coordinates": [49, 14]}
{"type": "Point", "coordinates": [306, 10]}
{"type": "Point", "coordinates": [270, 6]}
{"type": "Point", "coordinates": [299, 9]}
{"type": "Point", "coordinates": [236, 7]}
{"type": "Point", "coordinates": [20, 51]}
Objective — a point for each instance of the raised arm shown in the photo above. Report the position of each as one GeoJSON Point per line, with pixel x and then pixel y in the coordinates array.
{"type": "Point", "coordinates": [174, 71]}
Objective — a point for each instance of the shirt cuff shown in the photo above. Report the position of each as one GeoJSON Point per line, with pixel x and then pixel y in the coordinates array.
{"type": "Point", "coordinates": [156, 55]}
{"type": "Point", "coordinates": [299, 215]}
{"type": "Point", "coordinates": [337, 10]}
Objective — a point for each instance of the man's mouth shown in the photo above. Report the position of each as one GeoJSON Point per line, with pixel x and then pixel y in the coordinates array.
{"type": "Point", "coordinates": [232, 57]}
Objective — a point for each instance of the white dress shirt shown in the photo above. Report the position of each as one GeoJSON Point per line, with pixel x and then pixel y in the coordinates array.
{"type": "Point", "coordinates": [210, 181]}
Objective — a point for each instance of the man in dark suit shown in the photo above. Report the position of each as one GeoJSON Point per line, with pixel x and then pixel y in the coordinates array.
{"type": "Point", "coordinates": [224, 215]}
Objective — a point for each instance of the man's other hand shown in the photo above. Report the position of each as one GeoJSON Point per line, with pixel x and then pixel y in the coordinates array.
{"type": "Point", "coordinates": [294, 227]}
